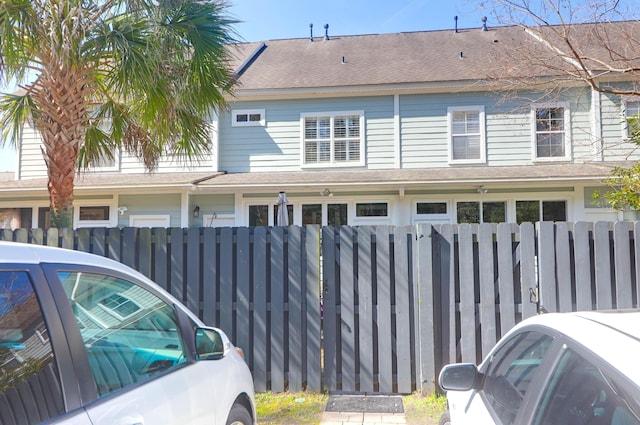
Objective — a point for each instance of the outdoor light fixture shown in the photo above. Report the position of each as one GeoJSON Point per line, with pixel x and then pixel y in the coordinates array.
{"type": "Point", "coordinates": [196, 211]}
{"type": "Point", "coordinates": [326, 192]}
{"type": "Point", "coordinates": [123, 209]}
{"type": "Point", "coordinates": [482, 189]}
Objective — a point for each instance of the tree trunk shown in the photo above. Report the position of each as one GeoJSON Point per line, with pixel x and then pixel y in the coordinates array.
{"type": "Point", "coordinates": [61, 121]}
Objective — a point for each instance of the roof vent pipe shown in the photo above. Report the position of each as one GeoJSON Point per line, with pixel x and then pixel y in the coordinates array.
{"type": "Point", "coordinates": [311, 32]}
{"type": "Point", "coordinates": [484, 24]}
{"type": "Point", "coordinates": [455, 18]}
{"type": "Point", "coordinates": [326, 31]}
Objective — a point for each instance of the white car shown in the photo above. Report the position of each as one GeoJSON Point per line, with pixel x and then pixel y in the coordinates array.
{"type": "Point", "coordinates": [556, 368]}
{"type": "Point", "coordinates": [87, 340]}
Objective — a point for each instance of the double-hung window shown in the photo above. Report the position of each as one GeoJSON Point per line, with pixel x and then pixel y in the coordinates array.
{"type": "Point", "coordinates": [632, 118]}
{"type": "Point", "coordinates": [334, 138]}
{"type": "Point", "coordinates": [466, 134]}
{"type": "Point", "coordinates": [551, 130]}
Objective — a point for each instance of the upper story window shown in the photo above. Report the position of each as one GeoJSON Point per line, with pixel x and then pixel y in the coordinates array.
{"type": "Point", "coordinates": [332, 138]}
{"type": "Point", "coordinates": [248, 118]}
{"type": "Point", "coordinates": [466, 134]}
{"type": "Point", "coordinates": [631, 110]}
{"type": "Point", "coordinates": [551, 124]}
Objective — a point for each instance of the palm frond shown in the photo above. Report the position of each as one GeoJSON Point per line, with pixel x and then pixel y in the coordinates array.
{"type": "Point", "coordinates": [15, 111]}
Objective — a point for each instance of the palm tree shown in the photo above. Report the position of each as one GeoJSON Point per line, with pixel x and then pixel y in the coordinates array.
{"type": "Point", "coordinates": [136, 75]}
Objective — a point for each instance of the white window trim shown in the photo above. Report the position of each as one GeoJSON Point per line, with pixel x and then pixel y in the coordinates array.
{"type": "Point", "coordinates": [623, 116]}
{"type": "Point", "coordinates": [142, 217]}
{"type": "Point", "coordinates": [236, 112]}
{"type": "Point", "coordinates": [112, 221]}
{"type": "Point", "coordinates": [332, 163]}
{"type": "Point", "coordinates": [567, 132]}
{"type": "Point", "coordinates": [483, 144]}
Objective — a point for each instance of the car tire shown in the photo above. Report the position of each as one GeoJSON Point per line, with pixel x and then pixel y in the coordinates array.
{"type": "Point", "coordinates": [445, 419]}
{"type": "Point", "coordinates": [239, 415]}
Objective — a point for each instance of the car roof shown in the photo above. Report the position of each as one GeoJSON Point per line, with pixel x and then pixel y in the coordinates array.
{"type": "Point", "coordinates": [24, 253]}
{"type": "Point", "coordinates": [614, 336]}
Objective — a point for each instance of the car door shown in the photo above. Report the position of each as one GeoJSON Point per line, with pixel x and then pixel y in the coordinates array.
{"type": "Point", "coordinates": [37, 383]}
{"type": "Point", "coordinates": [136, 352]}
{"type": "Point", "coordinates": [509, 372]}
{"type": "Point", "coordinates": [583, 389]}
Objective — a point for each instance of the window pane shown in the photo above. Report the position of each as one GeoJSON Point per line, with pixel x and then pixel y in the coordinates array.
{"type": "Point", "coordinates": [241, 118]}
{"type": "Point", "coordinates": [340, 127]}
{"type": "Point", "coordinates": [550, 132]}
{"type": "Point", "coordinates": [27, 367]}
{"type": "Point", "coordinates": [255, 117]}
{"type": "Point", "coordinates": [431, 208]}
{"type": "Point", "coordinates": [94, 213]}
{"type": "Point", "coordinates": [341, 151]}
{"type": "Point", "coordinates": [378, 209]}
{"type": "Point", "coordinates": [494, 212]}
{"type": "Point", "coordinates": [130, 334]}
{"type": "Point", "coordinates": [353, 126]}
{"type": "Point", "coordinates": [580, 392]}
{"type": "Point", "coordinates": [527, 211]}
{"type": "Point", "coordinates": [258, 215]}
{"type": "Point", "coordinates": [468, 212]}
{"type": "Point", "coordinates": [337, 214]}
{"type": "Point", "coordinates": [466, 147]}
{"type": "Point", "coordinates": [311, 152]}
{"type": "Point", "coordinates": [510, 372]}
{"type": "Point", "coordinates": [554, 211]}
{"type": "Point", "coordinates": [312, 214]}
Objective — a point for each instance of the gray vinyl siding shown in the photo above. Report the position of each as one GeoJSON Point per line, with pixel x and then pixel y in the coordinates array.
{"type": "Point", "coordinates": [151, 205]}
{"type": "Point", "coordinates": [277, 146]}
{"type": "Point", "coordinates": [582, 138]}
{"type": "Point", "coordinates": [616, 145]}
{"type": "Point", "coordinates": [211, 204]}
{"type": "Point", "coordinates": [423, 130]}
{"type": "Point", "coordinates": [31, 161]}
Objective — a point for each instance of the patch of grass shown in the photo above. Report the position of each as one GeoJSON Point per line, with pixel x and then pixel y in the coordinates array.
{"type": "Point", "coordinates": [306, 408]}
{"type": "Point", "coordinates": [290, 408]}
{"type": "Point", "coordinates": [424, 410]}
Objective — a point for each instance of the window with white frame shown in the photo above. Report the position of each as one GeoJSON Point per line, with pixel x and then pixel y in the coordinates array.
{"type": "Point", "coordinates": [536, 210]}
{"type": "Point", "coordinates": [466, 134]}
{"type": "Point", "coordinates": [551, 131]}
{"type": "Point", "coordinates": [332, 138]}
{"type": "Point", "coordinates": [248, 118]}
{"type": "Point", "coordinates": [481, 212]}
{"type": "Point", "coordinates": [631, 112]}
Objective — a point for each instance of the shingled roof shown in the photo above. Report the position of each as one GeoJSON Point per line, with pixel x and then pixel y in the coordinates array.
{"type": "Point", "coordinates": [439, 58]}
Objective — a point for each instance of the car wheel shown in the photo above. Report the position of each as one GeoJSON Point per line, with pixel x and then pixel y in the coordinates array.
{"type": "Point", "coordinates": [239, 416]}
{"type": "Point", "coordinates": [445, 419]}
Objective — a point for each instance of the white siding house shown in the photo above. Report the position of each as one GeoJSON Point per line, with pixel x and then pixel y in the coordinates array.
{"type": "Point", "coordinates": [374, 129]}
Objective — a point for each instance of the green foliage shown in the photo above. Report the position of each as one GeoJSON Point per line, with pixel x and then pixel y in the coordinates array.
{"type": "Point", "coordinates": [11, 376]}
{"type": "Point", "coordinates": [624, 183]}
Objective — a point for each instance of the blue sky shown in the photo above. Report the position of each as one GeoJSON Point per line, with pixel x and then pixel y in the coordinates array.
{"type": "Point", "coordinates": [276, 19]}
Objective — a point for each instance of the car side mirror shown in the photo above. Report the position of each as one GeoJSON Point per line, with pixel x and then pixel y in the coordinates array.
{"type": "Point", "coordinates": [209, 344]}
{"type": "Point", "coordinates": [459, 377]}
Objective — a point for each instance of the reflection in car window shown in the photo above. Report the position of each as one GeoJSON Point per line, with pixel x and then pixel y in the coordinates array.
{"type": "Point", "coordinates": [29, 386]}
{"type": "Point", "coordinates": [581, 393]}
{"type": "Point", "coordinates": [129, 333]}
{"type": "Point", "coordinates": [510, 372]}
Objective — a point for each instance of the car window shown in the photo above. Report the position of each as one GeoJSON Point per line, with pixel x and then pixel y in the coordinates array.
{"type": "Point", "coordinates": [30, 390]}
{"type": "Point", "coordinates": [581, 393]}
{"type": "Point", "coordinates": [510, 372]}
{"type": "Point", "coordinates": [129, 333]}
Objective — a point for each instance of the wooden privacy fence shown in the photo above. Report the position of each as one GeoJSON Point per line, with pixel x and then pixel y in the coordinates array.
{"type": "Point", "coordinates": [390, 306]}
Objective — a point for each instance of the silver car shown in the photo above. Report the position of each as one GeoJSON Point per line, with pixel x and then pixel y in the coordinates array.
{"type": "Point", "coordinates": [87, 340]}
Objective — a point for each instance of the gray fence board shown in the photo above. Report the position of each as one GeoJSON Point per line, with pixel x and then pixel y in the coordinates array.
{"type": "Point", "coordinates": [243, 280]}
{"type": "Point", "coordinates": [226, 275]}
{"type": "Point", "coordinates": [277, 324]}
{"type": "Point", "coordinates": [383, 311]}
{"type": "Point", "coordinates": [602, 249]}
{"type": "Point", "coordinates": [467, 294]}
{"type": "Point", "coordinates": [295, 303]}
{"type": "Point", "coordinates": [329, 303]}
{"type": "Point", "coordinates": [426, 317]}
{"type": "Point", "coordinates": [505, 278]}
{"type": "Point", "coordinates": [547, 266]}
{"type": "Point", "coordinates": [313, 322]}
{"type": "Point", "coordinates": [622, 265]}
{"type": "Point", "coordinates": [260, 337]}
{"type": "Point", "coordinates": [563, 267]}
{"type": "Point", "coordinates": [528, 271]}
{"type": "Point", "coordinates": [487, 282]}
{"type": "Point", "coordinates": [365, 312]}
{"type": "Point", "coordinates": [346, 315]}
{"type": "Point", "coordinates": [582, 254]}
{"type": "Point", "coordinates": [403, 236]}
